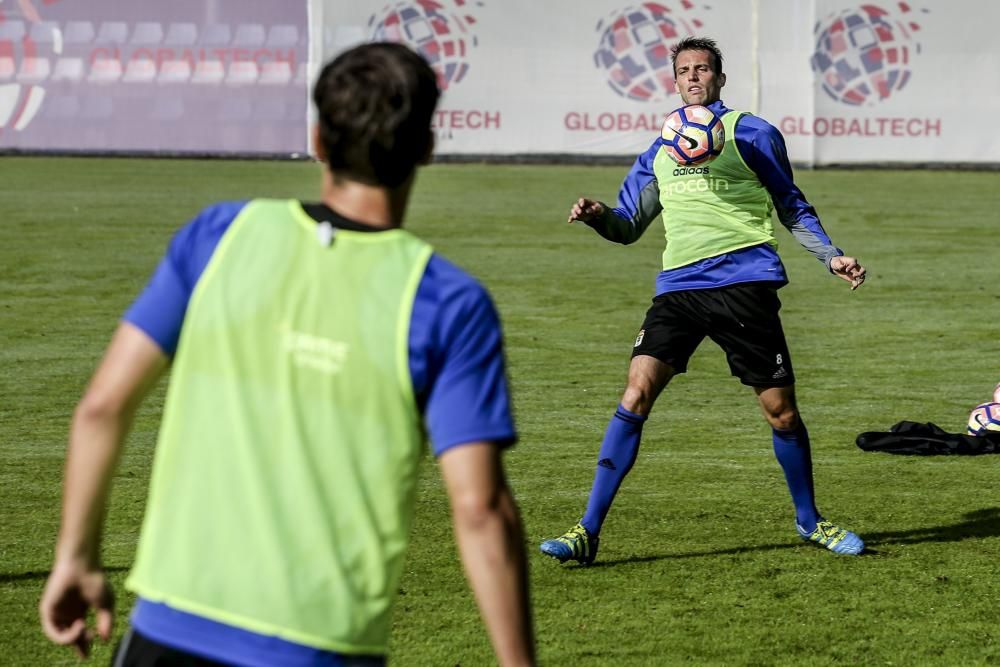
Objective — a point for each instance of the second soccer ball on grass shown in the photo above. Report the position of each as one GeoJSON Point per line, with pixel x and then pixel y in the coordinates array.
{"type": "Point", "coordinates": [985, 418]}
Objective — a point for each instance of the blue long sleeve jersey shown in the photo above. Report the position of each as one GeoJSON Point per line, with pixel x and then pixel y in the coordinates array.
{"type": "Point", "coordinates": [763, 149]}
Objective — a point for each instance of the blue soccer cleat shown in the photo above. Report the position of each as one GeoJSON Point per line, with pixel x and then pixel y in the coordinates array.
{"type": "Point", "coordinates": [836, 539]}
{"type": "Point", "coordinates": [576, 544]}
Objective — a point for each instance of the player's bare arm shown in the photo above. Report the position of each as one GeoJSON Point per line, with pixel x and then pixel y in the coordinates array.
{"type": "Point", "coordinates": [849, 269]}
{"type": "Point", "coordinates": [130, 367]}
{"type": "Point", "coordinates": [585, 210]}
{"type": "Point", "coordinates": [490, 539]}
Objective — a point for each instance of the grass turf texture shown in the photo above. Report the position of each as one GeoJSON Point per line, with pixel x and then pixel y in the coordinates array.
{"type": "Point", "coordinates": [699, 560]}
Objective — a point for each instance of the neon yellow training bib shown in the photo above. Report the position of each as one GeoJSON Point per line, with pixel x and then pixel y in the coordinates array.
{"type": "Point", "coordinates": [283, 485]}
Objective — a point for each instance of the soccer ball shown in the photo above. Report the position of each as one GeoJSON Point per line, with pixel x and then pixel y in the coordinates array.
{"type": "Point", "coordinates": [693, 135]}
{"type": "Point", "coordinates": [985, 418]}
{"type": "Point", "coordinates": [996, 394]}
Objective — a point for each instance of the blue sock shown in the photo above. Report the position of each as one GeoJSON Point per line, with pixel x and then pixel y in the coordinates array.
{"type": "Point", "coordinates": [618, 452]}
{"type": "Point", "coordinates": [791, 448]}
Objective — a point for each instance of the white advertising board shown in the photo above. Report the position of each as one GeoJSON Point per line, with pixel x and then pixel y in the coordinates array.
{"type": "Point", "coordinates": [845, 81]}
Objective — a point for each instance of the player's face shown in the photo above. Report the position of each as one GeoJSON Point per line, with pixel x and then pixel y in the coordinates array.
{"type": "Point", "coordinates": [695, 79]}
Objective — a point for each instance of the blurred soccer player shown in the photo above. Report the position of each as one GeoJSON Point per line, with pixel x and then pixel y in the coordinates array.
{"type": "Point", "coordinates": [720, 278]}
{"type": "Point", "coordinates": [307, 342]}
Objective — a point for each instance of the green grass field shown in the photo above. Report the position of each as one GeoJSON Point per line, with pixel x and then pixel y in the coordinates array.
{"type": "Point", "coordinates": [699, 562]}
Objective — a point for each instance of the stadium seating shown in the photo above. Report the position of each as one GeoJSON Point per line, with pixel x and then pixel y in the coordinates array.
{"type": "Point", "coordinates": [210, 72]}
{"type": "Point", "coordinates": [216, 34]}
{"type": "Point", "coordinates": [174, 71]}
{"type": "Point", "coordinates": [78, 32]}
{"type": "Point", "coordinates": [242, 73]}
{"type": "Point", "coordinates": [68, 69]}
{"type": "Point", "coordinates": [97, 72]}
{"type": "Point", "coordinates": [12, 31]}
{"type": "Point", "coordinates": [34, 70]}
{"type": "Point", "coordinates": [249, 35]}
{"type": "Point", "coordinates": [277, 72]}
{"type": "Point", "coordinates": [112, 32]}
{"type": "Point", "coordinates": [140, 70]}
{"type": "Point", "coordinates": [45, 32]}
{"type": "Point", "coordinates": [181, 34]}
{"type": "Point", "coordinates": [147, 33]}
{"type": "Point", "coordinates": [282, 36]}
{"type": "Point", "coordinates": [105, 70]}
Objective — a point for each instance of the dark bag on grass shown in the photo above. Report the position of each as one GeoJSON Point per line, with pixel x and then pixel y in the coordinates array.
{"type": "Point", "coordinates": [926, 440]}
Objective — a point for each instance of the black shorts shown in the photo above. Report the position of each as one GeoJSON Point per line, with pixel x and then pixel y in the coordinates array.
{"type": "Point", "coordinates": [136, 650]}
{"type": "Point", "coordinates": [742, 319]}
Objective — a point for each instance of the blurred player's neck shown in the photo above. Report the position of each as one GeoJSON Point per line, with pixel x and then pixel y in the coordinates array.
{"type": "Point", "coordinates": [369, 204]}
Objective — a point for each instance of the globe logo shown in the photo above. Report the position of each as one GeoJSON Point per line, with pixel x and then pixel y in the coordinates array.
{"type": "Point", "coordinates": [634, 48]}
{"type": "Point", "coordinates": [439, 33]}
{"type": "Point", "coordinates": [863, 56]}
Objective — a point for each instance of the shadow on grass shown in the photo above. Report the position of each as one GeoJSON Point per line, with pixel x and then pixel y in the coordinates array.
{"type": "Point", "coordinates": [42, 575]}
{"type": "Point", "coordinates": [977, 525]}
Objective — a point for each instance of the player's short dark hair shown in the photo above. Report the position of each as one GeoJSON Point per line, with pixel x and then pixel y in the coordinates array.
{"type": "Point", "coordinates": [375, 104]}
{"type": "Point", "coordinates": [698, 44]}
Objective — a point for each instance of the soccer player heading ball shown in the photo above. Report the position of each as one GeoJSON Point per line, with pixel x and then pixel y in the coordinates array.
{"type": "Point", "coordinates": [307, 341]}
{"type": "Point", "coordinates": [720, 278]}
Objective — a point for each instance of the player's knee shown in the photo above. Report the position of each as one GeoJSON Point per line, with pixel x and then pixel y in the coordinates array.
{"type": "Point", "coordinates": [638, 397]}
{"type": "Point", "coordinates": [786, 419]}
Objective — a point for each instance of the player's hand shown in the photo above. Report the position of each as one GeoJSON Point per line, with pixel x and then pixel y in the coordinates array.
{"type": "Point", "coordinates": [849, 269]}
{"type": "Point", "coordinates": [70, 593]}
{"type": "Point", "coordinates": [585, 210]}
